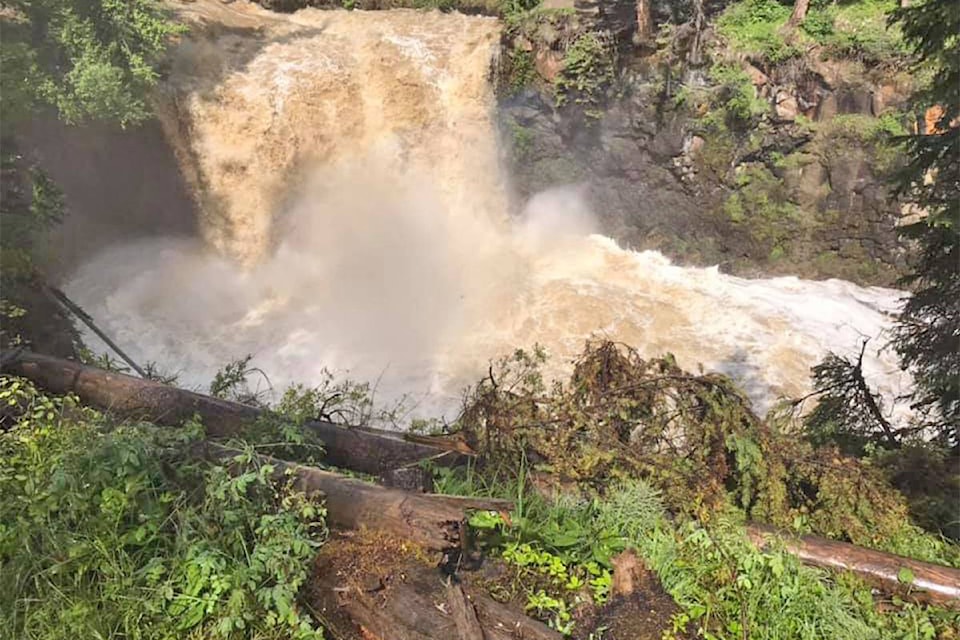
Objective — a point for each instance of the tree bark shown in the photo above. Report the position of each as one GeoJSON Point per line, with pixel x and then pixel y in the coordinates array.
{"type": "Point", "coordinates": [800, 8]}
{"type": "Point", "coordinates": [431, 520]}
{"type": "Point", "coordinates": [463, 613]}
{"type": "Point", "coordinates": [361, 449]}
{"type": "Point", "coordinates": [494, 615]}
{"type": "Point", "coordinates": [930, 583]}
{"type": "Point", "coordinates": [644, 21]}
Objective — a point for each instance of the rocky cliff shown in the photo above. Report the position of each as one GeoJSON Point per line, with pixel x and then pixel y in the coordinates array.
{"type": "Point", "coordinates": [761, 161]}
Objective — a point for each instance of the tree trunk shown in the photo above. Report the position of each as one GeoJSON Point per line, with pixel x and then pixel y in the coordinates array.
{"type": "Point", "coordinates": [407, 600]}
{"type": "Point", "coordinates": [699, 20]}
{"type": "Point", "coordinates": [644, 21]}
{"type": "Point", "coordinates": [463, 613]}
{"type": "Point", "coordinates": [927, 582]}
{"type": "Point", "coordinates": [494, 615]}
{"type": "Point", "coordinates": [361, 449]}
{"type": "Point", "coordinates": [430, 520]}
{"type": "Point", "coordinates": [799, 14]}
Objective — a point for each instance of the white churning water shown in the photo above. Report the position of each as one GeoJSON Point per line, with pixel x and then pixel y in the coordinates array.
{"type": "Point", "coordinates": [349, 160]}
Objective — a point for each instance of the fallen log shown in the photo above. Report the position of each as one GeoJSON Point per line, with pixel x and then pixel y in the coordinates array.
{"type": "Point", "coordinates": [365, 450]}
{"type": "Point", "coordinates": [432, 521]}
{"type": "Point", "coordinates": [923, 581]}
{"type": "Point", "coordinates": [367, 587]}
{"type": "Point", "coordinates": [463, 613]}
{"type": "Point", "coordinates": [503, 621]}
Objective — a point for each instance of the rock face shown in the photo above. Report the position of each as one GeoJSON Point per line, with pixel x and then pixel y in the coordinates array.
{"type": "Point", "coordinates": [793, 196]}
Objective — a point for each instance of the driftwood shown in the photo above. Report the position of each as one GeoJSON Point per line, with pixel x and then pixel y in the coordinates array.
{"type": "Point", "coordinates": [364, 450]}
{"type": "Point", "coordinates": [930, 583]}
{"type": "Point", "coordinates": [431, 520]}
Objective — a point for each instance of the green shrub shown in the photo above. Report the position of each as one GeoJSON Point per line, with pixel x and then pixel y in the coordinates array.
{"type": "Point", "coordinates": [588, 69]}
{"type": "Point", "coordinates": [87, 59]}
{"type": "Point", "coordinates": [753, 27]}
{"type": "Point", "coordinates": [860, 29]}
{"type": "Point", "coordinates": [724, 586]}
{"type": "Point", "coordinates": [117, 530]}
{"type": "Point", "coordinates": [735, 96]}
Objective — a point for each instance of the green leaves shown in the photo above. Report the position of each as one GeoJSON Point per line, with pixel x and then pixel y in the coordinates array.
{"type": "Point", "coordinates": [927, 334]}
{"type": "Point", "coordinates": [90, 59]}
{"type": "Point", "coordinates": [487, 520]}
{"type": "Point", "coordinates": [112, 530]}
{"type": "Point", "coordinates": [905, 575]}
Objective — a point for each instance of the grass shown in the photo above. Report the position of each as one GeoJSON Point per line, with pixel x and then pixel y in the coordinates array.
{"type": "Point", "coordinates": [753, 27]}
{"type": "Point", "coordinates": [856, 29]}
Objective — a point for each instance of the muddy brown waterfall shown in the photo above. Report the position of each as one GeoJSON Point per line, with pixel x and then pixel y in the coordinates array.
{"type": "Point", "coordinates": [354, 218]}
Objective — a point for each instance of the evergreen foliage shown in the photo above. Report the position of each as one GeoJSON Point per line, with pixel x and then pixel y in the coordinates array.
{"type": "Point", "coordinates": [928, 329]}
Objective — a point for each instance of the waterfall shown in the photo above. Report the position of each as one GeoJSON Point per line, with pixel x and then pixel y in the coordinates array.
{"type": "Point", "coordinates": [354, 218]}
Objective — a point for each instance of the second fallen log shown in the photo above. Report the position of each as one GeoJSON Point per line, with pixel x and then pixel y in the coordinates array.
{"type": "Point", "coordinates": [923, 581]}
{"type": "Point", "coordinates": [433, 521]}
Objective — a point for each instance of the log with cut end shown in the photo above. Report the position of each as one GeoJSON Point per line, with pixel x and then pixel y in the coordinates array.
{"type": "Point", "coordinates": [367, 586]}
{"type": "Point", "coordinates": [501, 621]}
{"type": "Point", "coordinates": [464, 615]}
{"type": "Point", "coordinates": [365, 450]}
{"type": "Point", "coordinates": [925, 582]}
{"type": "Point", "coordinates": [430, 520]}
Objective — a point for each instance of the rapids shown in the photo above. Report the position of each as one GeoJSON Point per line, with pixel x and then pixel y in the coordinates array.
{"type": "Point", "coordinates": [348, 161]}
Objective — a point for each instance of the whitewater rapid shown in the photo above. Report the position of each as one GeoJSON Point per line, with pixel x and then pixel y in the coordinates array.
{"type": "Point", "coordinates": [355, 219]}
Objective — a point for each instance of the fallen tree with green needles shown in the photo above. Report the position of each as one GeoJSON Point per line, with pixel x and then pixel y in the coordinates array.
{"type": "Point", "coordinates": [693, 436]}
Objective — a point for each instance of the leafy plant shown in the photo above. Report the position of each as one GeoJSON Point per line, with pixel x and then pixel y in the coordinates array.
{"type": "Point", "coordinates": [754, 27]}
{"type": "Point", "coordinates": [736, 96]}
{"type": "Point", "coordinates": [588, 69]}
{"type": "Point", "coordinates": [88, 59]}
{"type": "Point", "coordinates": [725, 587]}
{"type": "Point", "coordinates": [115, 530]}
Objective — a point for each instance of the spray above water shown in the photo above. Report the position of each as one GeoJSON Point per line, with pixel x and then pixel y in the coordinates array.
{"type": "Point", "coordinates": [371, 206]}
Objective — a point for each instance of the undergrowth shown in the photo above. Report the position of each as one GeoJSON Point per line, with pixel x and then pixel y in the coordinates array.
{"type": "Point", "coordinates": [118, 529]}
{"type": "Point", "coordinates": [588, 70]}
{"type": "Point", "coordinates": [857, 29]}
{"type": "Point", "coordinates": [639, 454]}
{"type": "Point", "coordinates": [563, 550]}
{"type": "Point", "coordinates": [695, 437]}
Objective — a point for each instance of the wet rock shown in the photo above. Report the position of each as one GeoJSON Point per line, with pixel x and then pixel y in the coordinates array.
{"type": "Point", "coordinates": [785, 106]}
{"type": "Point", "coordinates": [757, 77]}
{"type": "Point", "coordinates": [548, 63]}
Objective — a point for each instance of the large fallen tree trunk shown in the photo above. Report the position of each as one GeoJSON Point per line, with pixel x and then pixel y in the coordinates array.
{"type": "Point", "coordinates": [366, 587]}
{"type": "Point", "coordinates": [924, 581]}
{"type": "Point", "coordinates": [433, 521]}
{"type": "Point", "coordinates": [365, 450]}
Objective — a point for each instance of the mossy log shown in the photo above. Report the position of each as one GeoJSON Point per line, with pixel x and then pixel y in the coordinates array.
{"type": "Point", "coordinates": [432, 521]}
{"type": "Point", "coordinates": [922, 581]}
{"type": "Point", "coordinates": [371, 451]}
